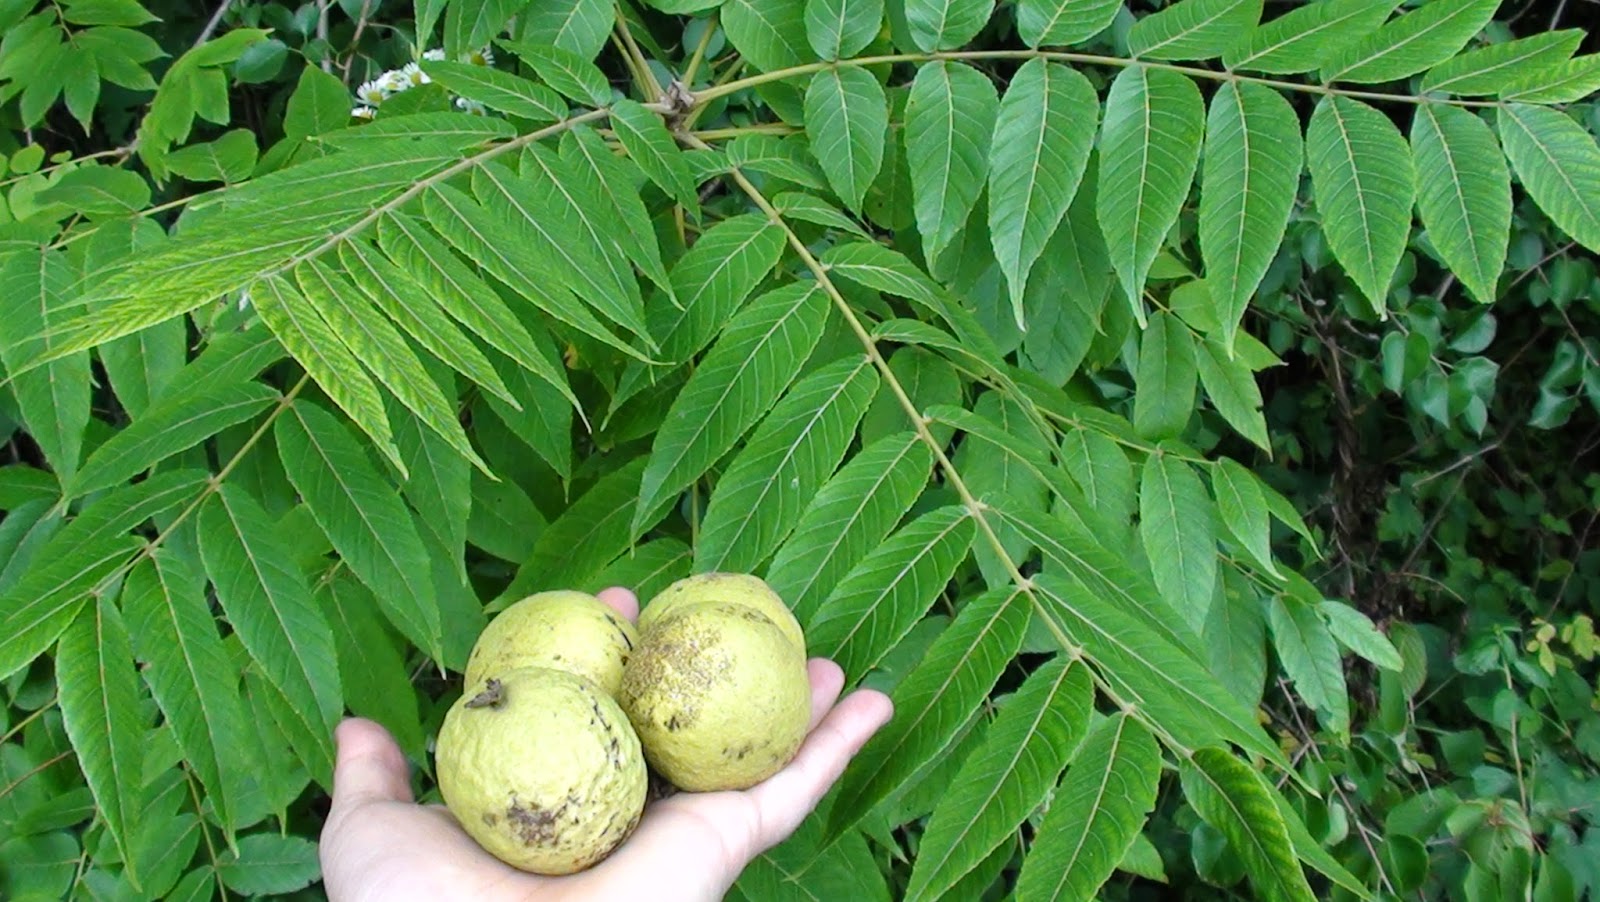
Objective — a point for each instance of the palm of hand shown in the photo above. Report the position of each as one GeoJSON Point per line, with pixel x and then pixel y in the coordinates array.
{"type": "Point", "coordinates": [379, 844]}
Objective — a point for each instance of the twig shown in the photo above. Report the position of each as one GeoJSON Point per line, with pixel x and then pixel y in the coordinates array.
{"type": "Point", "coordinates": [211, 26]}
{"type": "Point", "coordinates": [322, 35]}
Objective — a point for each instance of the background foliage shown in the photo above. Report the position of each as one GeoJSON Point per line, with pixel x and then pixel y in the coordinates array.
{"type": "Point", "coordinates": [1187, 411]}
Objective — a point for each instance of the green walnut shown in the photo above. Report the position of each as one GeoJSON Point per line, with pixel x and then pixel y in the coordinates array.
{"type": "Point", "coordinates": [571, 631]}
{"type": "Point", "coordinates": [731, 588]}
{"type": "Point", "coordinates": [541, 768]}
{"type": "Point", "coordinates": [718, 693]}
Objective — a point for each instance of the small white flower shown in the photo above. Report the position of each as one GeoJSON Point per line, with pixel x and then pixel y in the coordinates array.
{"type": "Point", "coordinates": [363, 112]}
{"type": "Point", "coordinates": [483, 56]}
{"type": "Point", "coordinates": [413, 75]}
{"type": "Point", "coordinates": [471, 106]}
{"type": "Point", "coordinates": [436, 53]}
{"type": "Point", "coordinates": [372, 92]}
{"type": "Point", "coordinates": [395, 81]}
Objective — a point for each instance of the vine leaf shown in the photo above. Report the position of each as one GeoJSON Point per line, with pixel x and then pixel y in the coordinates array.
{"type": "Point", "coordinates": [1177, 524]}
{"type": "Point", "coordinates": [1299, 40]}
{"type": "Point", "coordinates": [1416, 41]}
{"type": "Point", "coordinates": [1063, 22]}
{"type": "Point", "coordinates": [1165, 379]}
{"type": "Point", "coordinates": [98, 691]}
{"type": "Point", "coordinates": [847, 120]}
{"type": "Point", "coordinates": [1149, 150]}
{"type": "Point", "coordinates": [949, 123]}
{"type": "Point", "coordinates": [1234, 798]}
{"type": "Point", "coordinates": [882, 598]}
{"type": "Point", "coordinates": [1253, 159]}
{"type": "Point", "coordinates": [840, 29]}
{"type": "Point", "coordinates": [849, 517]}
{"type": "Point", "coordinates": [1364, 180]}
{"type": "Point", "coordinates": [1023, 753]}
{"type": "Point", "coordinates": [1192, 29]}
{"type": "Point", "coordinates": [752, 363]}
{"type": "Point", "coordinates": [1311, 659]}
{"type": "Point", "coordinates": [933, 701]}
{"type": "Point", "coordinates": [1559, 164]}
{"type": "Point", "coordinates": [1463, 194]}
{"type": "Point", "coordinates": [1042, 138]}
{"type": "Point", "coordinates": [1096, 813]}
{"type": "Point", "coordinates": [270, 608]}
{"type": "Point", "coordinates": [799, 445]}
{"type": "Point", "coordinates": [363, 517]}
{"type": "Point", "coordinates": [945, 24]}
{"type": "Point", "coordinates": [190, 675]}
{"type": "Point", "coordinates": [1492, 69]}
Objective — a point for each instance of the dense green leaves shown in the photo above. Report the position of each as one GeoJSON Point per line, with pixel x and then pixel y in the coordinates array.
{"type": "Point", "coordinates": [1177, 523]}
{"type": "Point", "coordinates": [949, 123]}
{"type": "Point", "coordinates": [1042, 137]}
{"type": "Point", "coordinates": [1149, 150]}
{"type": "Point", "coordinates": [1234, 798]}
{"type": "Point", "coordinates": [1362, 173]}
{"type": "Point", "coordinates": [847, 117]}
{"type": "Point", "coordinates": [1310, 658]}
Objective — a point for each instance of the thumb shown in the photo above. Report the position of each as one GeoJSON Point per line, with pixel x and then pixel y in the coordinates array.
{"type": "Point", "coordinates": [370, 766]}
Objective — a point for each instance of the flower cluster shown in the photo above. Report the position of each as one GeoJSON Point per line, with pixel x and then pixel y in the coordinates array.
{"type": "Point", "coordinates": [392, 82]}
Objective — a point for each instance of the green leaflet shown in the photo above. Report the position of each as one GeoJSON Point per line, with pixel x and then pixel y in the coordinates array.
{"type": "Point", "coordinates": [465, 297]}
{"type": "Point", "coordinates": [271, 610]}
{"type": "Point", "coordinates": [269, 863]}
{"type": "Point", "coordinates": [363, 517]}
{"type": "Point", "coordinates": [1559, 164]}
{"type": "Point", "coordinates": [849, 517]}
{"type": "Point", "coordinates": [98, 691]}
{"type": "Point", "coordinates": [1300, 39]}
{"type": "Point", "coordinates": [1356, 631]}
{"type": "Point", "coordinates": [1243, 510]}
{"type": "Point", "coordinates": [1232, 388]}
{"type": "Point", "coordinates": [1063, 22]}
{"type": "Point", "coordinates": [1192, 29]}
{"type": "Point", "coordinates": [296, 323]}
{"type": "Point", "coordinates": [580, 26]}
{"type": "Point", "coordinates": [142, 365]}
{"type": "Point", "coordinates": [760, 497]}
{"type": "Point", "coordinates": [1100, 468]}
{"type": "Point", "coordinates": [1145, 668]}
{"type": "Point", "coordinates": [1311, 659]}
{"type": "Point", "coordinates": [416, 310]}
{"type": "Point", "coordinates": [1233, 797]}
{"type": "Point", "coordinates": [647, 569]}
{"type": "Point", "coordinates": [808, 208]}
{"type": "Point", "coordinates": [1067, 291]}
{"type": "Point", "coordinates": [438, 481]}
{"type": "Point", "coordinates": [459, 130]}
{"type": "Point", "coordinates": [1492, 69]}
{"type": "Point", "coordinates": [1463, 194]}
{"type": "Point", "coordinates": [1573, 80]}
{"type": "Point", "coordinates": [882, 598]}
{"type": "Point", "coordinates": [1235, 637]}
{"type": "Point", "coordinates": [189, 675]}
{"type": "Point", "coordinates": [372, 670]}
{"type": "Point", "coordinates": [1042, 137]}
{"type": "Point", "coordinates": [945, 24]}
{"type": "Point", "coordinates": [1248, 183]}
{"type": "Point", "coordinates": [1097, 811]}
{"type": "Point", "coordinates": [652, 148]}
{"type": "Point", "coordinates": [752, 363]}
{"type": "Point", "coordinates": [1411, 43]}
{"type": "Point", "coordinates": [840, 29]}
{"type": "Point", "coordinates": [1149, 149]}
{"type": "Point", "coordinates": [1363, 178]}
{"type": "Point", "coordinates": [1165, 378]}
{"type": "Point", "coordinates": [604, 185]}
{"type": "Point", "coordinates": [372, 339]}
{"type": "Point", "coordinates": [54, 400]}
{"type": "Point", "coordinates": [588, 535]}
{"type": "Point", "coordinates": [1025, 748]}
{"type": "Point", "coordinates": [564, 70]}
{"type": "Point", "coordinates": [847, 120]}
{"type": "Point", "coordinates": [176, 424]}
{"type": "Point", "coordinates": [499, 90]}
{"type": "Point", "coordinates": [939, 695]}
{"type": "Point", "coordinates": [949, 122]}
{"type": "Point", "coordinates": [43, 601]}
{"type": "Point", "coordinates": [1178, 525]}
{"type": "Point", "coordinates": [570, 253]}
{"type": "Point", "coordinates": [769, 34]}
{"type": "Point", "coordinates": [885, 269]}
{"type": "Point", "coordinates": [542, 422]}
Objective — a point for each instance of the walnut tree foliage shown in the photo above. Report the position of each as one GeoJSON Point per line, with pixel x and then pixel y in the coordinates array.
{"type": "Point", "coordinates": [931, 312]}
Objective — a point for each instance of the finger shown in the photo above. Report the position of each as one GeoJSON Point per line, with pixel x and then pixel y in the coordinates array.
{"type": "Point", "coordinates": [788, 796]}
{"type": "Point", "coordinates": [622, 601]}
{"type": "Point", "coordinates": [826, 681]}
{"type": "Point", "coordinates": [369, 766]}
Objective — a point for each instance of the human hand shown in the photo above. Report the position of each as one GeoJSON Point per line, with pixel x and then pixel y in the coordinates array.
{"type": "Point", "coordinates": [379, 844]}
